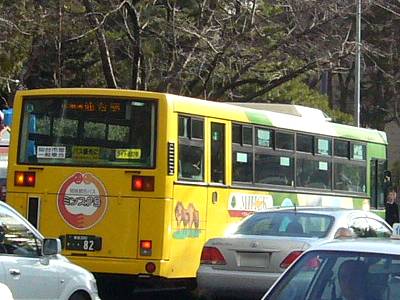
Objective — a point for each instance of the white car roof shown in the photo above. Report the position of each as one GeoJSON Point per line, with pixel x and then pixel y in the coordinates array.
{"type": "Point", "coordinates": [365, 245]}
{"type": "Point", "coordinates": [329, 211]}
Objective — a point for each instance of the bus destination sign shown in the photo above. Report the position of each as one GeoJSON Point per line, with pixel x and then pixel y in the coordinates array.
{"type": "Point", "coordinates": [94, 106]}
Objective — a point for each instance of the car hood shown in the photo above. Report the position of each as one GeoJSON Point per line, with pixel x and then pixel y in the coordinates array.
{"type": "Point", "coordinates": [70, 270]}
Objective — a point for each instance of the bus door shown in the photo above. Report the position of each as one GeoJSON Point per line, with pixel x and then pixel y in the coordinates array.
{"type": "Point", "coordinates": [218, 192]}
{"type": "Point", "coordinates": [378, 182]}
{"type": "Point", "coordinates": [189, 196]}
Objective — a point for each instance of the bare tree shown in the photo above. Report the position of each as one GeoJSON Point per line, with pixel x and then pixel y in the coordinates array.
{"type": "Point", "coordinates": [103, 46]}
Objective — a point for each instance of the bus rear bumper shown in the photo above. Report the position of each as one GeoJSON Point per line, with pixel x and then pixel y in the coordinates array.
{"type": "Point", "coordinates": [131, 274]}
{"type": "Point", "coordinates": [120, 286]}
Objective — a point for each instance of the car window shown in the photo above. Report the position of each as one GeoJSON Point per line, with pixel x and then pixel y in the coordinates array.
{"type": "Point", "coordinates": [334, 274]}
{"type": "Point", "coordinates": [15, 237]}
{"type": "Point", "coordinates": [379, 229]}
{"type": "Point", "coordinates": [362, 228]}
{"type": "Point", "coordinates": [296, 283]}
{"type": "Point", "coordinates": [287, 224]}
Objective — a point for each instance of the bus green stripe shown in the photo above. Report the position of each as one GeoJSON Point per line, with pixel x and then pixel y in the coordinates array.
{"type": "Point", "coordinates": [259, 118]}
{"type": "Point", "coordinates": [369, 135]}
{"type": "Point", "coordinates": [336, 130]}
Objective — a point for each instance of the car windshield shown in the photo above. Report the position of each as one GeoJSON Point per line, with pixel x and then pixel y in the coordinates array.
{"type": "Point", "coordinates": [15, 237]}
{"type": "Point", "coordinates": [287, 224]}
{"type": "Point", "coordinates": [340, 275]}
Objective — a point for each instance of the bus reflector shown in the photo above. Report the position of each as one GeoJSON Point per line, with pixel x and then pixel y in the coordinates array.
{"type": "Point", "coordinates": [290, 259]}
{"type": "Point", "coordinates": [150, 267]}
{"type": "Point", "coordinates": [146, 247]}
{"type": "Point", "coordinates": [143, 183]}
{"type": "Point", "coordinates": [24, 178]}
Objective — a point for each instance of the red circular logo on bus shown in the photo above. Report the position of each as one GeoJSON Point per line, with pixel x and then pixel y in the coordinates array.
{"type": "Point", "coordinates": [82, 200]}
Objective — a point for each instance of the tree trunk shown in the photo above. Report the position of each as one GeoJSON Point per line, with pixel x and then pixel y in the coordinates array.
{"type": "Point", "coordinates": [103, 47]}
{"type": "Point", "coordinates": [136, 44]}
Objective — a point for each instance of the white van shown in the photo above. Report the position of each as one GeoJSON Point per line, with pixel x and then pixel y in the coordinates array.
{"type": "Point", "coordinates": [32, 266]}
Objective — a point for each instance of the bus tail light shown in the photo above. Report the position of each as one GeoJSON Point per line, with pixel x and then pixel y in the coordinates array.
{"type": "Point", "coordinates": [290, 259]}
{"type": "Point", "coordinates": [212, 256]}
{"type": "Point", "coordinates": [146, 247]}
{"type": "Point", "coordinates": [143, 183]}
{"type": "Point", "coordinates": [24, 178]}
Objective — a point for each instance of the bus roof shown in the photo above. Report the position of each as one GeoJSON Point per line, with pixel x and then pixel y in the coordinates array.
{"type": "Point", "coordinates": [285, 116]}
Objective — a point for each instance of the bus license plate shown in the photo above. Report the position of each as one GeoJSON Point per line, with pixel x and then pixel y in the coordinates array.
{"type": "Point", "coordinates": [83, 242]}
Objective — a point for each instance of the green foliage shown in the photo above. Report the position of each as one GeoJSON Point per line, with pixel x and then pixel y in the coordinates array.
{"type": "Point", "coordinates": [15, 41]}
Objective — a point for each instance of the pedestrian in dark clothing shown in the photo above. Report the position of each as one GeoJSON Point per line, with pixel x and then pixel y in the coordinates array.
{"type": "Point", "coordinates": [391, 208]}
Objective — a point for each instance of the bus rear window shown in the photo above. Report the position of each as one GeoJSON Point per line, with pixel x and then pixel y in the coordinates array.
{"type": "Point", "coordinates": [88, 131]}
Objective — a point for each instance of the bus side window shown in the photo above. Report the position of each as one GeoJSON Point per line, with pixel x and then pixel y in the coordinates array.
{"type": "Point", "coordinates": [242, 166]}
{"type": "Point", "coordinates": [217, 152]}
{"type": "Point", "coordinates": [191, 148]}
{"type": "Point", "coordinates": [190, 163]}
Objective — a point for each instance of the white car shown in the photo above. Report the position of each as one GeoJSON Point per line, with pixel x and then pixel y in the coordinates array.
{"type": "Point", "coordinates": [5, 293]}
{"type": "Point", "coordinates": [32, 266]}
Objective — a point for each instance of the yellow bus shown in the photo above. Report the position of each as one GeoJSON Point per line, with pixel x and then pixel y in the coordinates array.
{"type": "Point", "coordinates": [135, 182]}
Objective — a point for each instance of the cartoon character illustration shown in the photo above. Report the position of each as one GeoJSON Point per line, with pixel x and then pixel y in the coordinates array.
{"type": "Point", "coordinates": [179, 211]}
{"type": "Point", "coordinates": [189, 216]}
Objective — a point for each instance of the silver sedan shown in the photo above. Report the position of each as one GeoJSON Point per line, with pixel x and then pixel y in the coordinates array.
{"type": "Point", "coordinates": [248, 262]}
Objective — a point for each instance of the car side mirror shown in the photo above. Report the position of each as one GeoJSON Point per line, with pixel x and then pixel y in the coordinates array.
{"type": "Point", "coordinates": [51, 246]}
